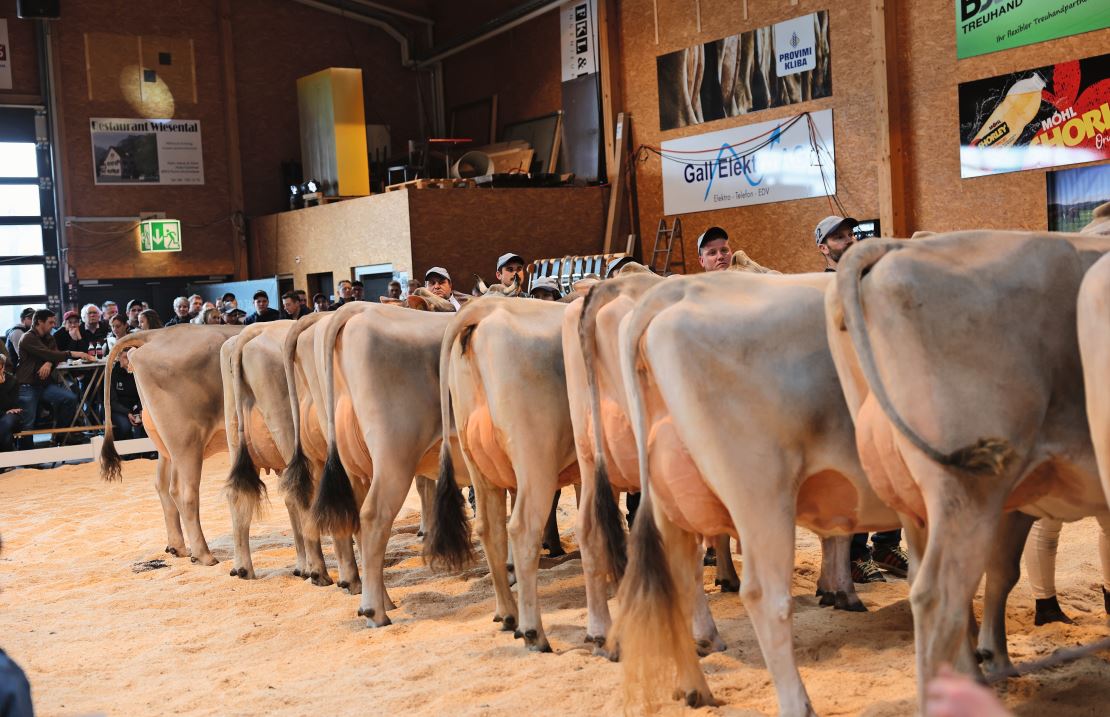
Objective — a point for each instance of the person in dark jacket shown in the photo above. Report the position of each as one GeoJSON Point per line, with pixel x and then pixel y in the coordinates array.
{"type": "Point", "coordinates": [181, 313]}
{"type": "Point", "coordinates": [39, 354]}
{"type": "Point", "coordinates": [15, 333]}
{"type": "Point", "coordinates": [262, 310]}
{"type": "Point", "coordinates": [10, 411]}
{"type": "Point", "coordinates": [127, 410]}
{"type": "Point", "coordinates": [346, 294]}
{"type": "Point", "coordinates": [291, 306]}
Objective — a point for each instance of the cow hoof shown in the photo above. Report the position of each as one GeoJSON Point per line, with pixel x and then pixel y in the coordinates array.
{"type": "Point", "coordinates": [176, 552]}
{"type": "Point", "coordinates": [518, 635]}
{"type": "Point", "coordinates": [983, 655]}
{"type": "Point", "coordinates": [342, 585]}
{"type": "Point", "coordinates": [826, 598]}
{"type": "Point", "coordinates": [242, 573]}
{"type": "Point", "coordinates": [365, 611]}
{"type": "Point", "coordinates": [556, 552]}
{"type": "Point", "coordinates": [708, 647]}
{"type": "Point", "coordinates": [420, 533]}
{"type": "Point", "coordinates": [386, 622]}
{"type": "Point", "coordinates": [508, 624]}
{"type": "Point", "coordinates": [849, 604]}
{"type": "Point", "coordinates": [209, 561]}
{"type": "Point", "coordinates": [695, 699]}
{"type": "Point", "coordinates": [497, 618]}
{"type": "Point", "coordinates": [233, 572]}
{"type": "Point", "coordinates": [297, 572]}
{"type": "Point", "coordinates": [728, 586]}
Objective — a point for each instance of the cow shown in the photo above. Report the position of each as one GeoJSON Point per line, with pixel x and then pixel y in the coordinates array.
{"type": "Point", "coordinates": [594, 387]}
{"type": "Point", "coordinates": [959, 356]}
{"type": "Point", "coordinates": [262, 435]}
{"type": "Point", "coordinates": [767, 443]}
{"type": "Point", "coordinates": [177, 373]}
{"type": "Point", "coordinates": [501, 374]}
{"type": "Point", "coordinates": [385, 359]}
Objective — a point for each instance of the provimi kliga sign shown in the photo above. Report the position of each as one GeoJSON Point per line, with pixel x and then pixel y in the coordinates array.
{"type": "Point", "coordinates": [754, 164]}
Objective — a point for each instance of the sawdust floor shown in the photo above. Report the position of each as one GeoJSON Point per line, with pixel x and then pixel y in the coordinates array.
{"type": "Point", "coordinates": [97, 638]}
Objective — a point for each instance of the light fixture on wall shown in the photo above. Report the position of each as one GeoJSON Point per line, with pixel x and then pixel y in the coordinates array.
{"type": "Point", "coordinates": [310, 193]}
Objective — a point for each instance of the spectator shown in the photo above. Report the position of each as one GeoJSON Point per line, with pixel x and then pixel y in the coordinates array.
{"type": "Point", "coordinates": [91, 325]}
{"type": "Point", "coordinates": [510, 268]}
{"type": "Point", "coordinates": [545, 289]}
{"type": "Point", "coordinates": [127, 411]}
{"type": "Point", "coordinates": [68, 336]}
{"type": "Point", "coordinates": [120, 328]}
{"type": "Point", "coordinates": [414, 284]}
{"type": "Point", "coordinates": [835, 236]}
{"type": "Point", "coordinates": [9, 406]}
{"type": "Point", "coordinates": [134, 308]}
{"type": "Point", "coordinates": [438, 281]}
{"type": "Point", "coordinates": [180, 312]}
{"type": "Point", "coordinates": [346, 291]}
{"type": "Point", "coordinates": [357, 291]}
{"type": "Point", "coordinates": [616, 266]}
{"type": "Point", "coordinates": [394, 291]}
{"type": "Point", "coordinates": [234, 316]}
{"type": "Point", "coordinates": [149, 320]}
{"type": "Point", "coordinates": [302, 296]}
{"type": "Point", "coordinates": [15, 333]}
{"type": "Point", "coordinates": [714, 252]}
{"type": "Point", "coordinates": [107, 310]}
{"type": "Point", "coordinates": [319, 303]}
{"type": "Point", "coordinates": [208, 317]}
{"type": "Point", "coordinates": [228, 301]}
{"type": "Point", "coordinates": [291, 307]}
{"type": "Point", "coordinates": [196, 302]}
{"type": "Point", "coordinates": [262, 310]}
{"type": "Point", "coordinates": [39, 354]}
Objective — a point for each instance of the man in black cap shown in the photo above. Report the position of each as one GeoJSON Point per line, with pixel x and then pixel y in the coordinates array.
{"type": "Point", "coordinates": [15, 333]}
{"type": "Point", "coordinates": [714, 253]}
{"type": "Point", "coordinates": [262, 310]}
{"type": "Point", "coordinates": [834, 235]}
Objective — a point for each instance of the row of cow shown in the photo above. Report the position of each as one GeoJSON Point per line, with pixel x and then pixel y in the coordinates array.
{"type": "Point", "coordinates": [939, 385]}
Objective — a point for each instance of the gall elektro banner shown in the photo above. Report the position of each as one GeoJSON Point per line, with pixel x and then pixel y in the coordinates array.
{"type": "Point", "coordinates": [775, 161]}
{"type": "Point", "coordinates": [984, 26]}
{"type": "Point", "coordinates": [1043, 117]}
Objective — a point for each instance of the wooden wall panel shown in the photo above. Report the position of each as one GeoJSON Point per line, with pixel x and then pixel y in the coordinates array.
{"type": "Point", "coordinates": [778, 235]}
{"type": "Point", "coordinates": [109, 56]}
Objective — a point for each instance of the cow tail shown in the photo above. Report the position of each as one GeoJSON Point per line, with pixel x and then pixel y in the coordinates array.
{"type": "Point", "coordinates": [448, 544]}
{"type": "Point", "coordinates": [986, 455]}
{"type": "Point", "coordinates": [335, 509]}
{"type": "Point", "coordinates": [243, 482]}
{"type": "Point", "coordinates": [111, 465]}
{"type": "Point", "coordinates": [606, 512]}
{"type": "Point", "coordinates": [649, 593]}
{"type": "Point", "coordinates": [296, 479]}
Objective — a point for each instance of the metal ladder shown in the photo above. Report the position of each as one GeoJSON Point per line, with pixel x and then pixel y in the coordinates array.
{"type": "Point", "coordinates": [670, 236]}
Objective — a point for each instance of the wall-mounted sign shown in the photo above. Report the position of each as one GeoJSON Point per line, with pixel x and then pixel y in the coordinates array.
{"type": "Point", "coordinates": [140, 151]}
{"type": "Point", "coordinates": [984, 26]}
{"type": "Point", "coordinates": [755, 164]}
{"type": "Point", "coordinates": [159, 235]}
{"type": "Point", "coordinates": [5, 57]}
{"type": "Point", "coordinates": [578, 38]}
{"type": "Point", "coordinates": [755, 70]}
{"type": "Point", "coordinates": [1043, 117]}
{"type": "Point", "coordinates": [1074, 194]}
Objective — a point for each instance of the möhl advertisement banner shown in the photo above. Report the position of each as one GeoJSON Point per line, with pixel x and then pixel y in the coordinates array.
{"type": "Point", "coordinates": [984, 26]}
{"type": "Point", "coordinates": [776, 161]}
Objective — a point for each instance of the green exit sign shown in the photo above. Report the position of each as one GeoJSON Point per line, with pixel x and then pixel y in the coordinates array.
{"type": "Point", "coordinates": [159, 235]}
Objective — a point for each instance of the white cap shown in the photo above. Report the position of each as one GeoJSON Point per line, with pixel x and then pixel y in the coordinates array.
{"type": "Point", "coordinates": [828, 225]}
{"type": "Point", "coordinates": [615, 266]}
{"type": "Point", "coordinates": [546, 283]}
{"type": "Point", "coordinates": [437, 270]}
{"type": "Point", "coordinates": [506, 258]}
{"type": "Point", "coordinates": [710, 234]}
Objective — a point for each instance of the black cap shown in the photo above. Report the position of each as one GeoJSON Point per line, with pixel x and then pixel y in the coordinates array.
{"type": "Point", "coordinates": [27, 313]}
{"type": "Point", "coordinates": [710, 234]}
{"type": "Point", "coordinates": [134, 302]}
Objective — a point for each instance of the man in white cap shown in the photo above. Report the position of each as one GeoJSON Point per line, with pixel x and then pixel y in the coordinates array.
{"type": "Point", "coordinates": [438, 281]}
{"type": "Point", "coordinates": [714, 253]}
{"type": "Point", "coordinates": [834, 235]}
{"type": "Point", "coordinates": [510, 267]}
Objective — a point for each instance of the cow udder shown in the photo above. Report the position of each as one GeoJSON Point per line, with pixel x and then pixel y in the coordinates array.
{"type": "Point", "coordinates": [676, 483]}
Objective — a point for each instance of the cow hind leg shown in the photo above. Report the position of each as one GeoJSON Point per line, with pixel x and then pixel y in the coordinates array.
{"type": "Point", "coordinates": [835, 586]}
{"type": "Point", "coordinates": [706, 636]}
{"type": "Point", "coordinates": [348, 567]}
{"type": "Point", "coordinates": [766, 593]}
{"type": "Point", "coordinates": [726, 578]}
{"type": "Point", "coordinates": [595, 568]}
{"type": "Point", "coordinates": [492, 532]}
{"type": "Point", "coordinates": [387, 494]}
{"type": "Point", "coordinates": [551, 537]}
{"type": "Point", "coordinates": [187, 473]}
{"type": "Point", "coordinates": [533, 505]}
{"type": "Point", "coordinates": [426, 489]}
{"type": "Point", "coordinates": [175, 540]}
{"type": "Point", "coordinates": [298, 534]}
{"type": "Point", "coordinates": [1003, 571]}
{"type": "Point", "coordinates": [241, 511]}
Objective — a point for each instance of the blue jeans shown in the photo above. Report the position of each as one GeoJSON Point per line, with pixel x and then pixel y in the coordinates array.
{"type": "Point", "coordinates": [61, 400]}
{"type": "Point", "coordinates": [9, 424]}
{"type": "Point", "coordinates": [122, 428]}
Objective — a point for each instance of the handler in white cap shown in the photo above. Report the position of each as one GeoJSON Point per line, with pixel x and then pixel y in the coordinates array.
{"type": "Point", "coordinates": [510, 267]}
{"type": "Point", "coordinates": [834, 235]}
{"type": "Point", "coordinates": [714, 252]}
{"type": "Point", "coordinates": [438, 281]}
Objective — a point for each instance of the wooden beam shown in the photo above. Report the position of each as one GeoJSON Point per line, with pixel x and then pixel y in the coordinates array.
{"type": "Point", "coordinates": [608, 58]}
{"type": "Point", "coordinates": [618, 186]}
{"type": "Point", "coordinates": [234, 157]}
{"type": "Point", "coordinates": [888, 114]}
